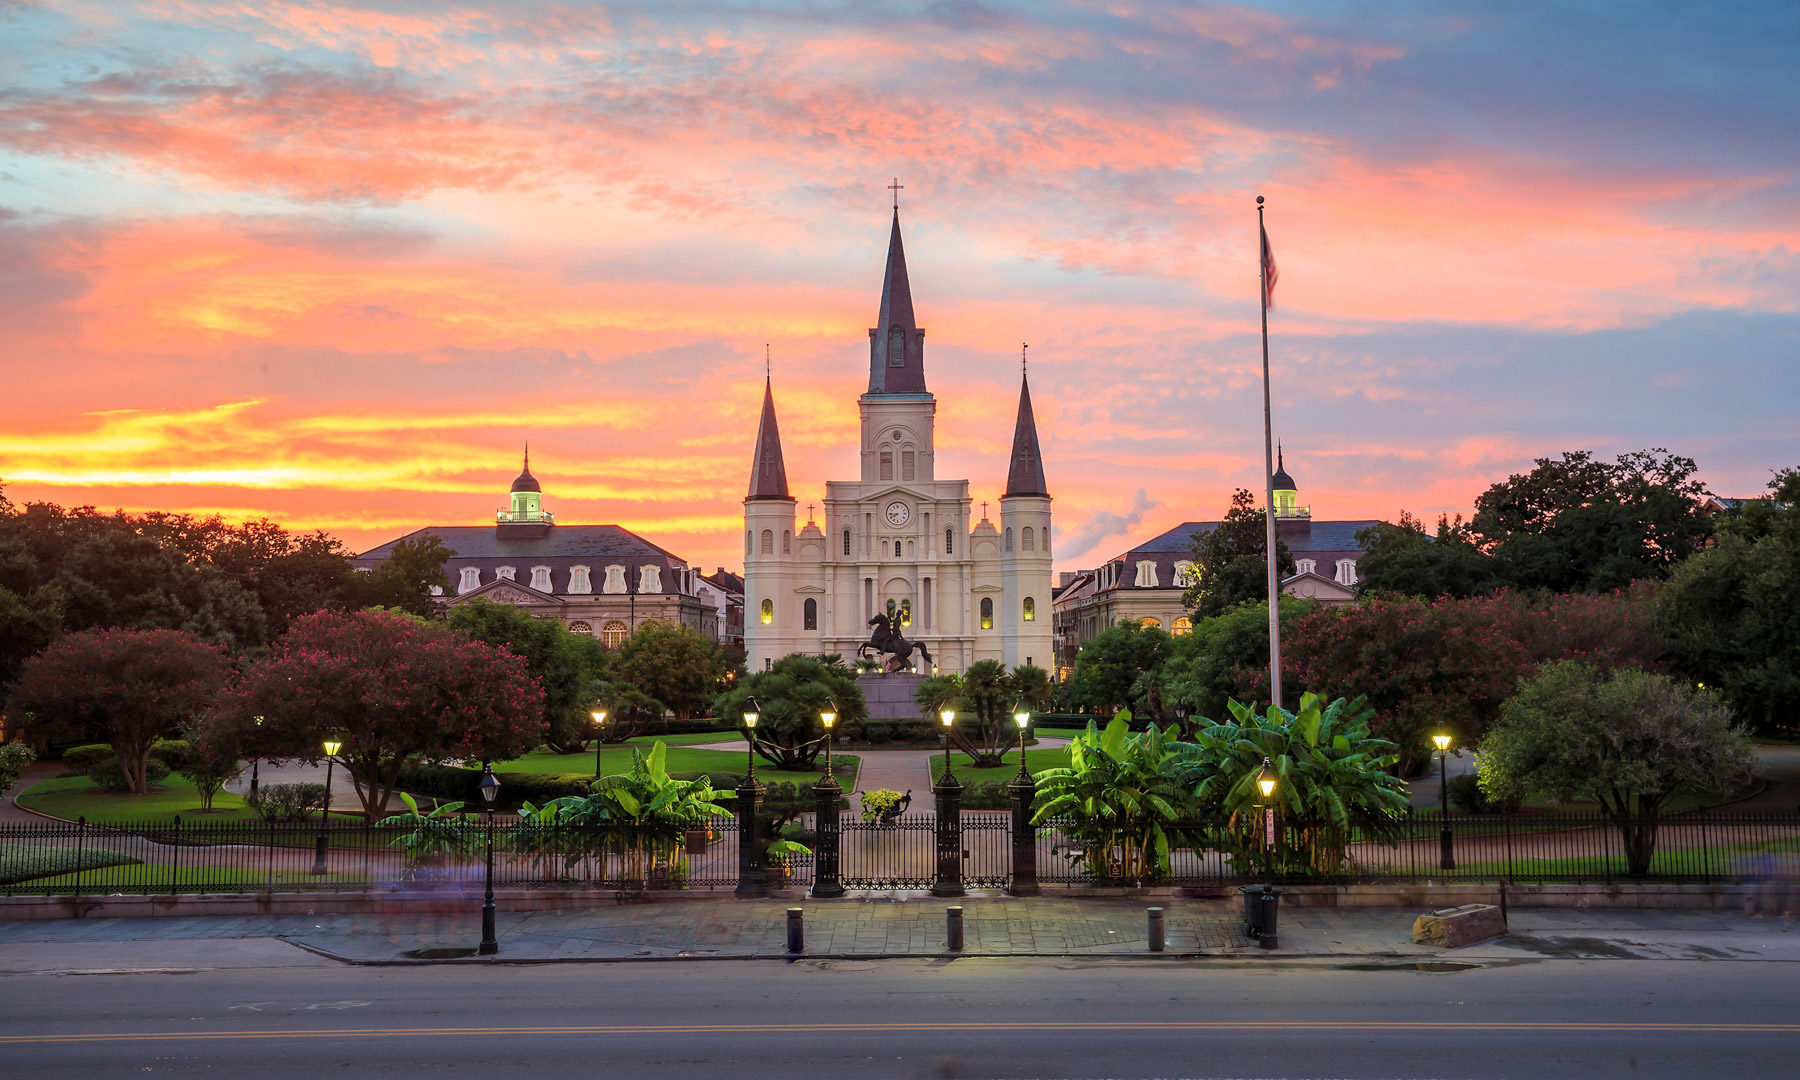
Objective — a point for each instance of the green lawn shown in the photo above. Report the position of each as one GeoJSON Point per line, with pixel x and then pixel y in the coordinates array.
{"type": "Point", "coordinates": [74, 797]}
{"type": "Point", "coordinates": [23, 862]}
{"type": "Point", "coordinates": [160, 879]}
{"type": "Point", "coordinates": [680, 759]}
{"type": "Point", "coordinates": [1050, 757]}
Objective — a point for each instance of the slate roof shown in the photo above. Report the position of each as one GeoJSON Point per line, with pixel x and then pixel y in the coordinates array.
{"type": "Point", "coordinates": [768, 472]}
{"type": "Point", "coordinates": [560, 548]}
{"type": "Point", "coordinates": [896, 313]}
{"type": "Point", "coordinates": [1324, 542]}
{"type": "Point", "coordinates": [1025, 476]}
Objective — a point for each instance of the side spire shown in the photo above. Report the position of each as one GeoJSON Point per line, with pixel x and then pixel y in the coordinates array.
{"type": "Point", "coordinates": [896, 345]}
{"type": "Point", "coordinates": [768, 473]}
{"type": "Point", "coordinates": [1026, 474]}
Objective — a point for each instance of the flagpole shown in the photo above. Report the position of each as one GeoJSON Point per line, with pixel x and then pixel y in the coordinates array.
{"type": "Point", "coordinates": [1262, 255]}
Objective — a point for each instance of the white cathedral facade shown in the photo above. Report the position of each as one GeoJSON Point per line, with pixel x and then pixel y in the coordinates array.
{"type": "Point", "coordinates": [898, 539]}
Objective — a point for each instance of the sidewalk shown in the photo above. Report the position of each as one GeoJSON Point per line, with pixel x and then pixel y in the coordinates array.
{"type": "Point", "coordinates": [878, 929]}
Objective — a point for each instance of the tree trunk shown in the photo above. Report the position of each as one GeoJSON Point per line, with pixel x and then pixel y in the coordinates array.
{"type": "Point", "coordinates": [1638, 831]}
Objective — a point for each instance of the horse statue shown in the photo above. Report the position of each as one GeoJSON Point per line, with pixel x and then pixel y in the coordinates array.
{"type": "Point", "coordinates": [886, 640]}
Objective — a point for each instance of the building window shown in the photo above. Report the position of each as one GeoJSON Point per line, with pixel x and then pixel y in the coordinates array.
{"type": "Point", "coordinates": [1305, 566]}
{"type": "Point", "coordinates": [612, 635]}
{"type": "Point", "coordinates": [846, 541]}
{"type": "Point", "coordinates": [768, 541]}
{"type": "Point", "coordinates": [1185, 574]}
{"type": "Point", "coordinates": [1028, 610]}
{"type": "Point", "coordinates": [887, 465]}
{"type": "Point", "coordinates": [896, 549]}
{"type": "Point", "coordinates": [949, 541]}
{"type": "Point", "coordinates": [581, 628]}
{"type": "Point", "coordinates": [1346, 571]}
{"type": "Point", "coordinates": [615, 579]}
{"type": "Point", "coordinates": [896, 348]}
{"type": "Point", "coordinates": [906, 613]}
{"type": "Point", "coordinates": [768, 612]}
{"type": "Point", "coordinates": [471, 580]}
{"type": "Point", "coordinates": [987, 613]}
{"type": "Point", "coordinates": [579, 582]}
{"type": "Point", "coordinates": [1147, 621]}
{"type": "Point", "coordinates": [748, 549]}
{"type": "Point", "coordinates": [1184, 626]}
{"type": "Point", "coordinates": [540, 579]}
{"type": "Point", "coordinates": [787, 542]}
{"type": "Point", "coordinates": [649, 579]}
{"type": "Point", "coordinates": [1009, 538]}
{"type": "Point", "coordinates": [506, 573]}
{"type": "Point", "coordinates": [812, 613]}
{"type": "Point", "coordinates": [1146, 574]}
{"type": "Point", "coordinates": [907, 465]}
{"type": "Point", "coordinates": [1028, 539]}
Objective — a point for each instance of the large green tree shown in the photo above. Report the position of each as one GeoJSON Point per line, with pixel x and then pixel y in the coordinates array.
{"type": "Point", "coordinates": [1231, 561]}
{"type": "Point", "coordinates": [984, 697]}
{"type": "Point", "coordinates": [1226, 658]}
{"type": "Point", "coordinates": [404, 580]}
{"type": "Point", "coordinates": [672, 664]}
{"type": "Point", "coordinates": [1629, 740]}
{"type": "Point", "coordinates": [1580, 524]}
{"type": "Point", "coordinates": [128, 687]}
{"type": "Point", "coordinates": [1109, 669]}
{"type": "Point", "coordinates": [1732, 612]}
{"type": "Point", "coordinates": [789, 697]}
{"type": "Point", "coordinates": [1403, 558]}
{"type": "Point", "coordinates": [568, 666]}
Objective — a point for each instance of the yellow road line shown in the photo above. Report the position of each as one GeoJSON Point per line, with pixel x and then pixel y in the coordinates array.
{"type": "Point", "coordinates": [935, 1028]}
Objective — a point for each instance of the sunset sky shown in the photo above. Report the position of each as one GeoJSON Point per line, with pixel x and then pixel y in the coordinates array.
{"type": "Point", "coordinates": [334, 264]}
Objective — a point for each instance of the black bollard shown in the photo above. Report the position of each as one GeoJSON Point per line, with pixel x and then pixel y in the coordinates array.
{"type": "Point", "coordinates": [953, 930]}
{"type": "Point", "coordinates": [796, 931]}
{"type": "Point", "coordinates": [1156, 929]}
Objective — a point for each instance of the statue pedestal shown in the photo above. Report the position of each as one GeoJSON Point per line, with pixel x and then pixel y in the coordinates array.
{"type": "Point", "coordinates": [890, 696]}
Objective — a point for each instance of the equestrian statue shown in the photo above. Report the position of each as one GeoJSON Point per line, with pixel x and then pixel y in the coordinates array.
{"type": "Point", "coordinates": [885, 640]}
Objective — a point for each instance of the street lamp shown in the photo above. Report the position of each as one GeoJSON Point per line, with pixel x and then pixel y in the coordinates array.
{"type": "Point", "coordinates": [255, 761]}
{"type": "Point", "coordinates": [948, 716]}
{"type": "Point", "coordinates": [1022, 717]}
{"type": "Point", "coordinates": [599, 716]}
{"type": "Point", "coordinates": [1268, 918]}
{"type": "Point", "coordinates": [331, 746]}
{"type": "Point", "coordinates": [828, 717]}
{"type": "Point", "coordinates": [1446, 856]}
{"type": "Point", "coordinates": [490, 788]}
{"type": "Point", "coordinates": [751, 715]}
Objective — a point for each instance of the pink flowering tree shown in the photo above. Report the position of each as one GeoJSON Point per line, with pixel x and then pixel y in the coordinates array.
{"type": "Point", "coordinates": [394, 689]}
{"type": "Point", "coordinates": [129, 687]}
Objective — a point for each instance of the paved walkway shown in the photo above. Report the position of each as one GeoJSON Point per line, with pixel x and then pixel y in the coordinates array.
{"type": "Point", "coordinates": [726, 928]}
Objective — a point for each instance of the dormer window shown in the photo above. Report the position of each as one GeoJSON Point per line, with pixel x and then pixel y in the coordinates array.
{"type": "Point", "coordinates": [470, 579]}
{"type": "Point", "coordinates": [540, 579]}
{"type": "Point", "coordinates": [896, 348]}
{"type": "Point", "coordinates": [506, 573]}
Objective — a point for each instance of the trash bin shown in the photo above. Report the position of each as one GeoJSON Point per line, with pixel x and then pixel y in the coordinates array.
{"type": "Point", "coordinates": [1253, 913]}
{"type": "Point", "coordinates": [1268, 928]}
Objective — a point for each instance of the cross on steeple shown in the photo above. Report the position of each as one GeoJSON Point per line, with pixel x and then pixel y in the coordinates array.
{"type": "Point", "coordinates": [809, 513]}
{"type": "Point", "coordinates": [1022, 347]}
{"type": "Point", "coordinates": [896, 187]}
{"type": "Point", "coordinates": [984, 509]}
{"type": "Point", "coordinates": [768, 369]}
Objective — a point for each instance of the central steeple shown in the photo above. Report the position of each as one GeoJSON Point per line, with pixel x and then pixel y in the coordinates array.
{"type": "Point", "coordinates": [896, 344]}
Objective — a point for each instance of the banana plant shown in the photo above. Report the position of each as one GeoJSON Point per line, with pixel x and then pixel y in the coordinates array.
{"type": "Point", "coordinates": [431, 836]}
{"type": "Point", "coordinates": [1333, 783]}
{"type": "Point", "coordinates": [1120, 800]}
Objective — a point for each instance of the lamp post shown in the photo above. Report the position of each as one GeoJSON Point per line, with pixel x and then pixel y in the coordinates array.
{"type": "Point", "coordinates": [1268, 918]}
{"type": "Point", "coordinates": [948, 716]}
{"type": "Point", "coordinates": [1024, 838]}
{"type": "Point", "coordinates": [1447, 854]}
{"type": "Point", "coordinates": [599, 716]}
{"type": "Point", "coordinates": [828, 717]}
{"type": "Point", "coordinates": [1022, 717]}
{"type": "Point", "coordinates": [331, 746]}
{"type": "Point", "coordinates": [255, 761]}
{"type": "Point", "coordinates": [752, 713]}
{"type": "Point", "coordinates": [490, 787]}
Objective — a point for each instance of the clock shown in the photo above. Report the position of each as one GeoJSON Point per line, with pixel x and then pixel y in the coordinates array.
{"type": "Point", "coordinates": [898, 513]}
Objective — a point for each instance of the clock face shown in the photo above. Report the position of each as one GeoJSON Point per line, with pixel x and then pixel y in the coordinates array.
{"type": "Point", "coordinates": [898, 513]}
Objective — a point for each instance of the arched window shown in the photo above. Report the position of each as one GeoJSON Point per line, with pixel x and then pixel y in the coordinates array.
{"type": "Point", "coordinates": [787, 542]}
{"type": "Point", "coordinates": [540, 579]}
{"type": "Point", "coordinates": [1028, 539]}
{"type": "Point", "coordinates": [896, 347]}
{"type": "Point", "coordinates": [812, 614]}
{"type": "Point", "coordinates": [906, 613]}
{"type": "Point", "coordinates": [581, 628]}
{"type": "Point", "coordinates": [887, 465]}
{"type": "Point", "coordinates": [1028, 610]}
{"type": "Point", "coordinates": [470, 579]}
{"type": "Point", "coordinates": [768, 542]}
{"type": "Point", "coordinates": [748, 546]}
{"type": "Point", "coordinates": [987, 613]}
{"type": "Point", "coordinates": [1149, 621]}
{"type": "Point", "coordinates": [1346, 571]}
{"type": "Point", "coordinates": [1184, 626]}
{"type": "Point", "coordinates": [949, 541]}
{"type": "Point", "coordinates": [506, 573]}
{"type": "Point", "coordinates": [1185, 574]}
{"type": "Point", "coordinates": [579, 581]}
{"type": "Point", "coordinates": [846, 541]}
{"type": "Point", "coordinates": [612, 635]}
{"type": "Point", "coordinates": [896, 549]}
{"type": "Point", "coordinates": [1009, 538]}
{"type": "Point", "coordinates": [768, 612]}
{"type": "Point", "coordinates": [1305, 566]}
{"type": "Point", "coordinates": [907, 466]}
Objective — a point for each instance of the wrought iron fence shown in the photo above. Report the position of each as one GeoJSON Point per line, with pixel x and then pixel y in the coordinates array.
{"type": "Point", "coordinates": [50, 857]}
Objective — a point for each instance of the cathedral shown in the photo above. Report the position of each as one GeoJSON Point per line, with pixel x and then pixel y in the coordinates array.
{"type": "Point", "coordinates": [897, 539]}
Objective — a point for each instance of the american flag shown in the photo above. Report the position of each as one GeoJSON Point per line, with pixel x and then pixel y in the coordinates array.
{"type": "Point", "coordinates": [1269, 274]}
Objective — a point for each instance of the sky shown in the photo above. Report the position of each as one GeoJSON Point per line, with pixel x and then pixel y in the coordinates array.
{"type": "Point", "coordinates": [334, 264]}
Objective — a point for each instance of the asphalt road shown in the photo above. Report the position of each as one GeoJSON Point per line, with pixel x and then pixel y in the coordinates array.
{"type": "Point", "coordinates": [909, 1018]}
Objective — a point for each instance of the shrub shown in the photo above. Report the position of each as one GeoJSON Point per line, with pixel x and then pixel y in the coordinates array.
{"type": "Point", "coordinates": [23, 862]}
{"type": "Point", "coordinates": [987, 795]}
{"type": "Point", "coordinates": [881, 732]}
{"type": "Point", "coordinates": [289, 802]}
{"type": "Point", "coordinates": [1466, 795]}
{"type": "Point", "coordinates": [107, 773]}
{"type": "Point", "coordinates": [880, 803]}
{"type": "Point", "coordinates": [79, 759]}
{"type": "Point", "coordinates": [177, 754]}
{"type": "Point", "coordinates": [14, 756]}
